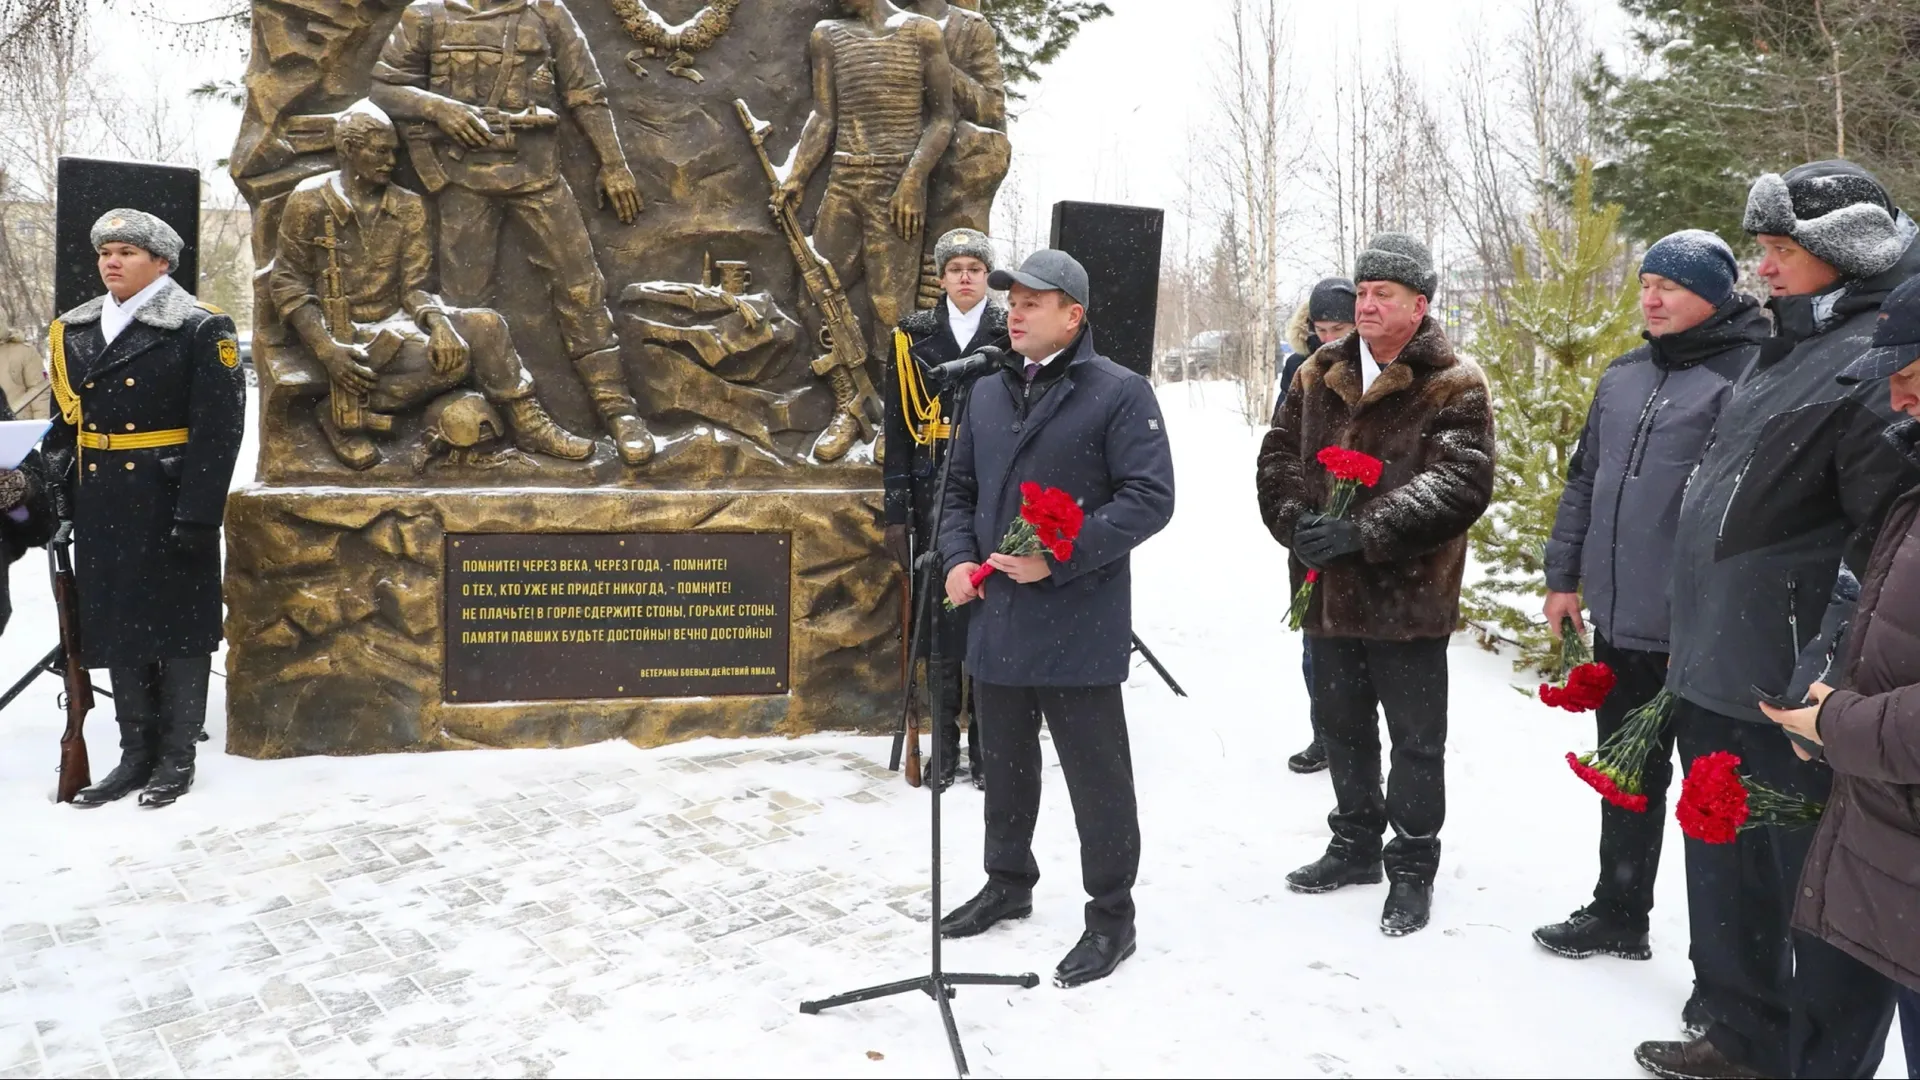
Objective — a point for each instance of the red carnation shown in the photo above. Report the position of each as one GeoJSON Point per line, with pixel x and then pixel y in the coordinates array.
{"type": "Point", "coordinates": [1713, 800]}
{"type": "Point", "coordinates": [1351, 465]}
{"type": "Point", "coordinates": [1601, 782]}
{"type": "Point", "coordinates": [1617, 766]}
{"type": "Point", "coordinates": [1587, 688]}
{"type": "Point", "coordinates": [1351, 470]}
{"type": "Point", "coordinates": [1049, 521]}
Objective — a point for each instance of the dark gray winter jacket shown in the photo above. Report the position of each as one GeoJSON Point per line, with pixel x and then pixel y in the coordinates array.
{"type": "Point", "coordinates": [1651, 420]}
{"type": "Point", "coordinates": [1093, 430]}
{"type": "Point", "coordinates": [1797, 480]}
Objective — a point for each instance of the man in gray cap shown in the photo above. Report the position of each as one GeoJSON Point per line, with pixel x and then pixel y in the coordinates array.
{"type": "Point", "coordinates": [1387, 574]}
{"type": "Point", "coordinates": [1051, 636]}
{"type": "Point", "coordinates": [918, 429]}
{"type": "Point", "coordinates": [151, 410]}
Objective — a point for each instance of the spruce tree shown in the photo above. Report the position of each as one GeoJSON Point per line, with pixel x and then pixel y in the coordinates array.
{"type": "Point", "coordinates": [1033, 33]}
{"type": "Point", "coordinates": [1564, 322]}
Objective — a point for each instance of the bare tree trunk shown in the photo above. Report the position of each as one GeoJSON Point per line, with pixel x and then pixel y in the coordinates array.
{"type": "Point", "coordinates": [1839, 94]}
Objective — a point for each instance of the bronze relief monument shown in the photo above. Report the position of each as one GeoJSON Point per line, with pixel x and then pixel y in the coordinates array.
{"type": "Point", "coordinates": [571, 315]}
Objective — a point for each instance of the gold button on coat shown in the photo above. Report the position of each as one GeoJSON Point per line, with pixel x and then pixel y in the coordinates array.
{"type": "Point", "coordinates": [129, 382]}
{"type": "Point", "coordinates": [92, 467]}
{"type": "Point", "coordinates": [129, 466]}
{"type": "Point", "coordinates": [93, 427]}
{"type": "Point", "coordinates": [129, 427]}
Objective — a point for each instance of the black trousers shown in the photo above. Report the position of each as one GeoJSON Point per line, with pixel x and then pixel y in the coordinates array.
{"type": "Point", "coordinates": [1782, 1003]}
{"type": "Point", "coordinates": [1910, 1029]}
{"type": "Point", "coordinates": [164, 694]}
{"type": "Point", "coordinates": [1630, 842]}
{"type": "Point", "coordinates": [1352, 680]}
{"type": "Point", "coordinates": [1089, 726]}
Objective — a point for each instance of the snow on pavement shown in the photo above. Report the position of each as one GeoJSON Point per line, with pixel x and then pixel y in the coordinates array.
{"type": "Point", "coordinates": [614, 911]}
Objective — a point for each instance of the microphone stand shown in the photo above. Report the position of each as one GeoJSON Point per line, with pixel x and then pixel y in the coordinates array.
{"type": "Point", "coordinates": [939, 984]}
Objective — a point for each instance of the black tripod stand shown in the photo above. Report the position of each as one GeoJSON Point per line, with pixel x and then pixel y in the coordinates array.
{"type": "Point", "coordinates": [54, 664]}
{"type": "Point", "coordinates": [939, 984]}
{"type": "Point", "coordinates": [1159, 668]}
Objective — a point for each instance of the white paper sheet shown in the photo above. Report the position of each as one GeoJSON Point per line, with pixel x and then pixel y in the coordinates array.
{"type": "Point", "coordinates": [17, 437]}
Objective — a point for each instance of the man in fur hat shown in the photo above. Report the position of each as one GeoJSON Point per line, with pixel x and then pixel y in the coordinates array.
{"type": "Point", "coordinates": [151, 407]}
{"type": "Point", "coordinates": [967, 321]}
{"type": "Point", "coordinates": [1387, 592]}
{"type": "Point", "coordinates": [1798, 480]}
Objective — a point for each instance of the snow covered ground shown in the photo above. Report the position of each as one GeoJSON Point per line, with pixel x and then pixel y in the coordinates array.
{"type": "Point", "coordinates": [612, 911]}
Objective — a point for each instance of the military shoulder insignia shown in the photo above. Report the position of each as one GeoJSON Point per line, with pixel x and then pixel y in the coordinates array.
{"type": "Point", "coordinates": [208, 308]}
{"type": "Point", "coordinates": [229, 352]}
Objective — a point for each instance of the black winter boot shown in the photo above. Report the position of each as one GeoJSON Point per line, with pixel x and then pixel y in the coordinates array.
{"type": "Point", "coordinates": [1694, 1060]}
{"type": "Point", "coordinates": [1311, 760]}
{"type": "Point", "coordinates": [1409, 906]}
{"type": "Point", "coordinates": [1586, 933]}
{"type": "Point", "coordinates": [183, 702]}
{"type": "Point", "coordinates": [139, 746]}
{"type": "Point", "coordinates": [1332, 871]}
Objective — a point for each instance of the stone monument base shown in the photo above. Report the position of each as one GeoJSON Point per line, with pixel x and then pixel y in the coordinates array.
{"type": "Point", "coordinates": [336, 618]}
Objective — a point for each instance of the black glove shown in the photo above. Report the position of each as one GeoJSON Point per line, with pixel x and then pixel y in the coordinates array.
{"type": "Point", "coordinates": [1319, 540]}
{"type": "Point", "coordinates": [191, 539]}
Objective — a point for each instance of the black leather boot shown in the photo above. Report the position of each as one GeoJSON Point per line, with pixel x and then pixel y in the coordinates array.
{"type": "Point", "coordinates": [1332, 871]}
{"type": "Point", "coordinates": [139, 746]}
{"type": "Point", "coordinates": [1409, 905]}
{"type": "Point", "coordinates": [183, 702]}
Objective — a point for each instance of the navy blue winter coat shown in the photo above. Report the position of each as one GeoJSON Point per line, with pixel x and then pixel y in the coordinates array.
{"type": "Point", "coordinates": [1096, 433]}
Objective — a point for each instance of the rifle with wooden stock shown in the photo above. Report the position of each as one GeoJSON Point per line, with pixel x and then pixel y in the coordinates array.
{"type": "Point", "coordinates": [77, 699]}
{"type": "Point", "coordinates": [840, 334]}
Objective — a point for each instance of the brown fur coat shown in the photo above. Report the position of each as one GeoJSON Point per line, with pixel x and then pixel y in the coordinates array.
{"type": "Point", "coordinates": [1429, 418]}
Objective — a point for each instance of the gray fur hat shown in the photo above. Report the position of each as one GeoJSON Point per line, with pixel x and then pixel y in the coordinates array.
{"type": "Point", "coordinates": [1401, 258]}
{"type": "Point", "coordinates": [1837, 210]}
{"type": "Point", "coordinates": [968, 242]}
{"type": "Point", "coordinates": [139, 228]}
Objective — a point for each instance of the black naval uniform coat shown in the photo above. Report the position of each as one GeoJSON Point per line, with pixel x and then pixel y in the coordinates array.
{"type": "Point", "coordinates": [912, 471]}
{"type": "Point", "coordinates": [144, 596]}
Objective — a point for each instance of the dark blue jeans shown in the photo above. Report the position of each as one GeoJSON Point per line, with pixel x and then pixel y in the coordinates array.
{"type": "Point", "coordinates": [1910, 1029]}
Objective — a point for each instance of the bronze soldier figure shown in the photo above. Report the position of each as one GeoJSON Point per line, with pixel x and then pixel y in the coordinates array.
{"type": "Point", "coordinates": [883, 106]}
{"type": "Point", "coordinates": [350, 277]}
{"type": "Point", "coordinates": [151, 409]}
{"type": "Point", "coordinates": [486, 80]}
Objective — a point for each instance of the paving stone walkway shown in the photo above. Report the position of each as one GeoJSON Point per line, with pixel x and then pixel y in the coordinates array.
{"type": "Point", "coordinates": [449, 936]}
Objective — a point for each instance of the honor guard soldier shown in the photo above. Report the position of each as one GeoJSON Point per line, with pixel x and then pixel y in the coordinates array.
{"type": "Point", "coordinates": [150, 409]}
{"type": "Point", "coordinates": [917, 436]}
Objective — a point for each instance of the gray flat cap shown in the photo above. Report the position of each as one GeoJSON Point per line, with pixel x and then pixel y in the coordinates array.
{"type": "Point", "coordinates": [1047, 270]}
{"type": "Point", "coordinates": [1401, 258]}
{"type": "Point", "coordinates": [139, 228]}
{"type": "Point", "coordinates": [969, 243]}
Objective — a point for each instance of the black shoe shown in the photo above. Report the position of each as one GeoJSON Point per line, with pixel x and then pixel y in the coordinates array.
{"type": "Point", "coordinates": [1311, 760]}
{"type": "Point", "coordinates": [1696, 1059]}
{"type": "Point", "coordinates": [1409, 905]}
{"type": "Point", "coordinates": [1694, 1018]}
{"type": "Point", "coordinates": [949, 761]}
{"type": "Point", "coordinates": [1330, 872]}
{"type": "Point", "coordinates": [1094, 958]}
{"type": "Point", "coordinates": [1585, 934]}
{"type": "Point", "coordinates": [139, 745]}
{"type": "Point", "coordinates": [992, 905]}
{"type": "Point", "coordinates": [979, 780]}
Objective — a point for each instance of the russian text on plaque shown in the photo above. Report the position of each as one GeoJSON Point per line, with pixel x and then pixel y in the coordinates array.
{"type": "Point", "coordinates": [573, 616]}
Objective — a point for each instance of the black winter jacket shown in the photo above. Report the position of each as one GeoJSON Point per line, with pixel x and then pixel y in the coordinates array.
{"type": "Point", "coordinates": [1651, 420]}
{"type": "Point", "coordinates": [1093, 430]}
{"type": "Point", "coordinates": [1798, 480]}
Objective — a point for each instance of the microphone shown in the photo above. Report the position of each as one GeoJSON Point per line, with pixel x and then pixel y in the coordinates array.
{"type": "Point", "coordinates": [954, 372]}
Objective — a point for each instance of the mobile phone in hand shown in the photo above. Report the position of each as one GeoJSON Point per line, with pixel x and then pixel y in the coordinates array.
{"type": "Point", "coordinates": [1814, 750]}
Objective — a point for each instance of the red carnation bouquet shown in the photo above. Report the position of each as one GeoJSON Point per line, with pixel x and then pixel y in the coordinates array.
{"type": "Point", "coordinates": [1616, 767]}
{"type": "Point", "coordinates": [1049, 521]}
{"type": "Point", "coordinates": [1717, 803]}
{"type": "Point", "coordinates": [1584, 684]}
{"type": "Point", "coordinates": [1351, 470]}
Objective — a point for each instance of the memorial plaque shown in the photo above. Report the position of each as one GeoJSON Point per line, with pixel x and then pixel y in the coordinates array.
{"type": "Point", "coordinates": [573, 616]}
